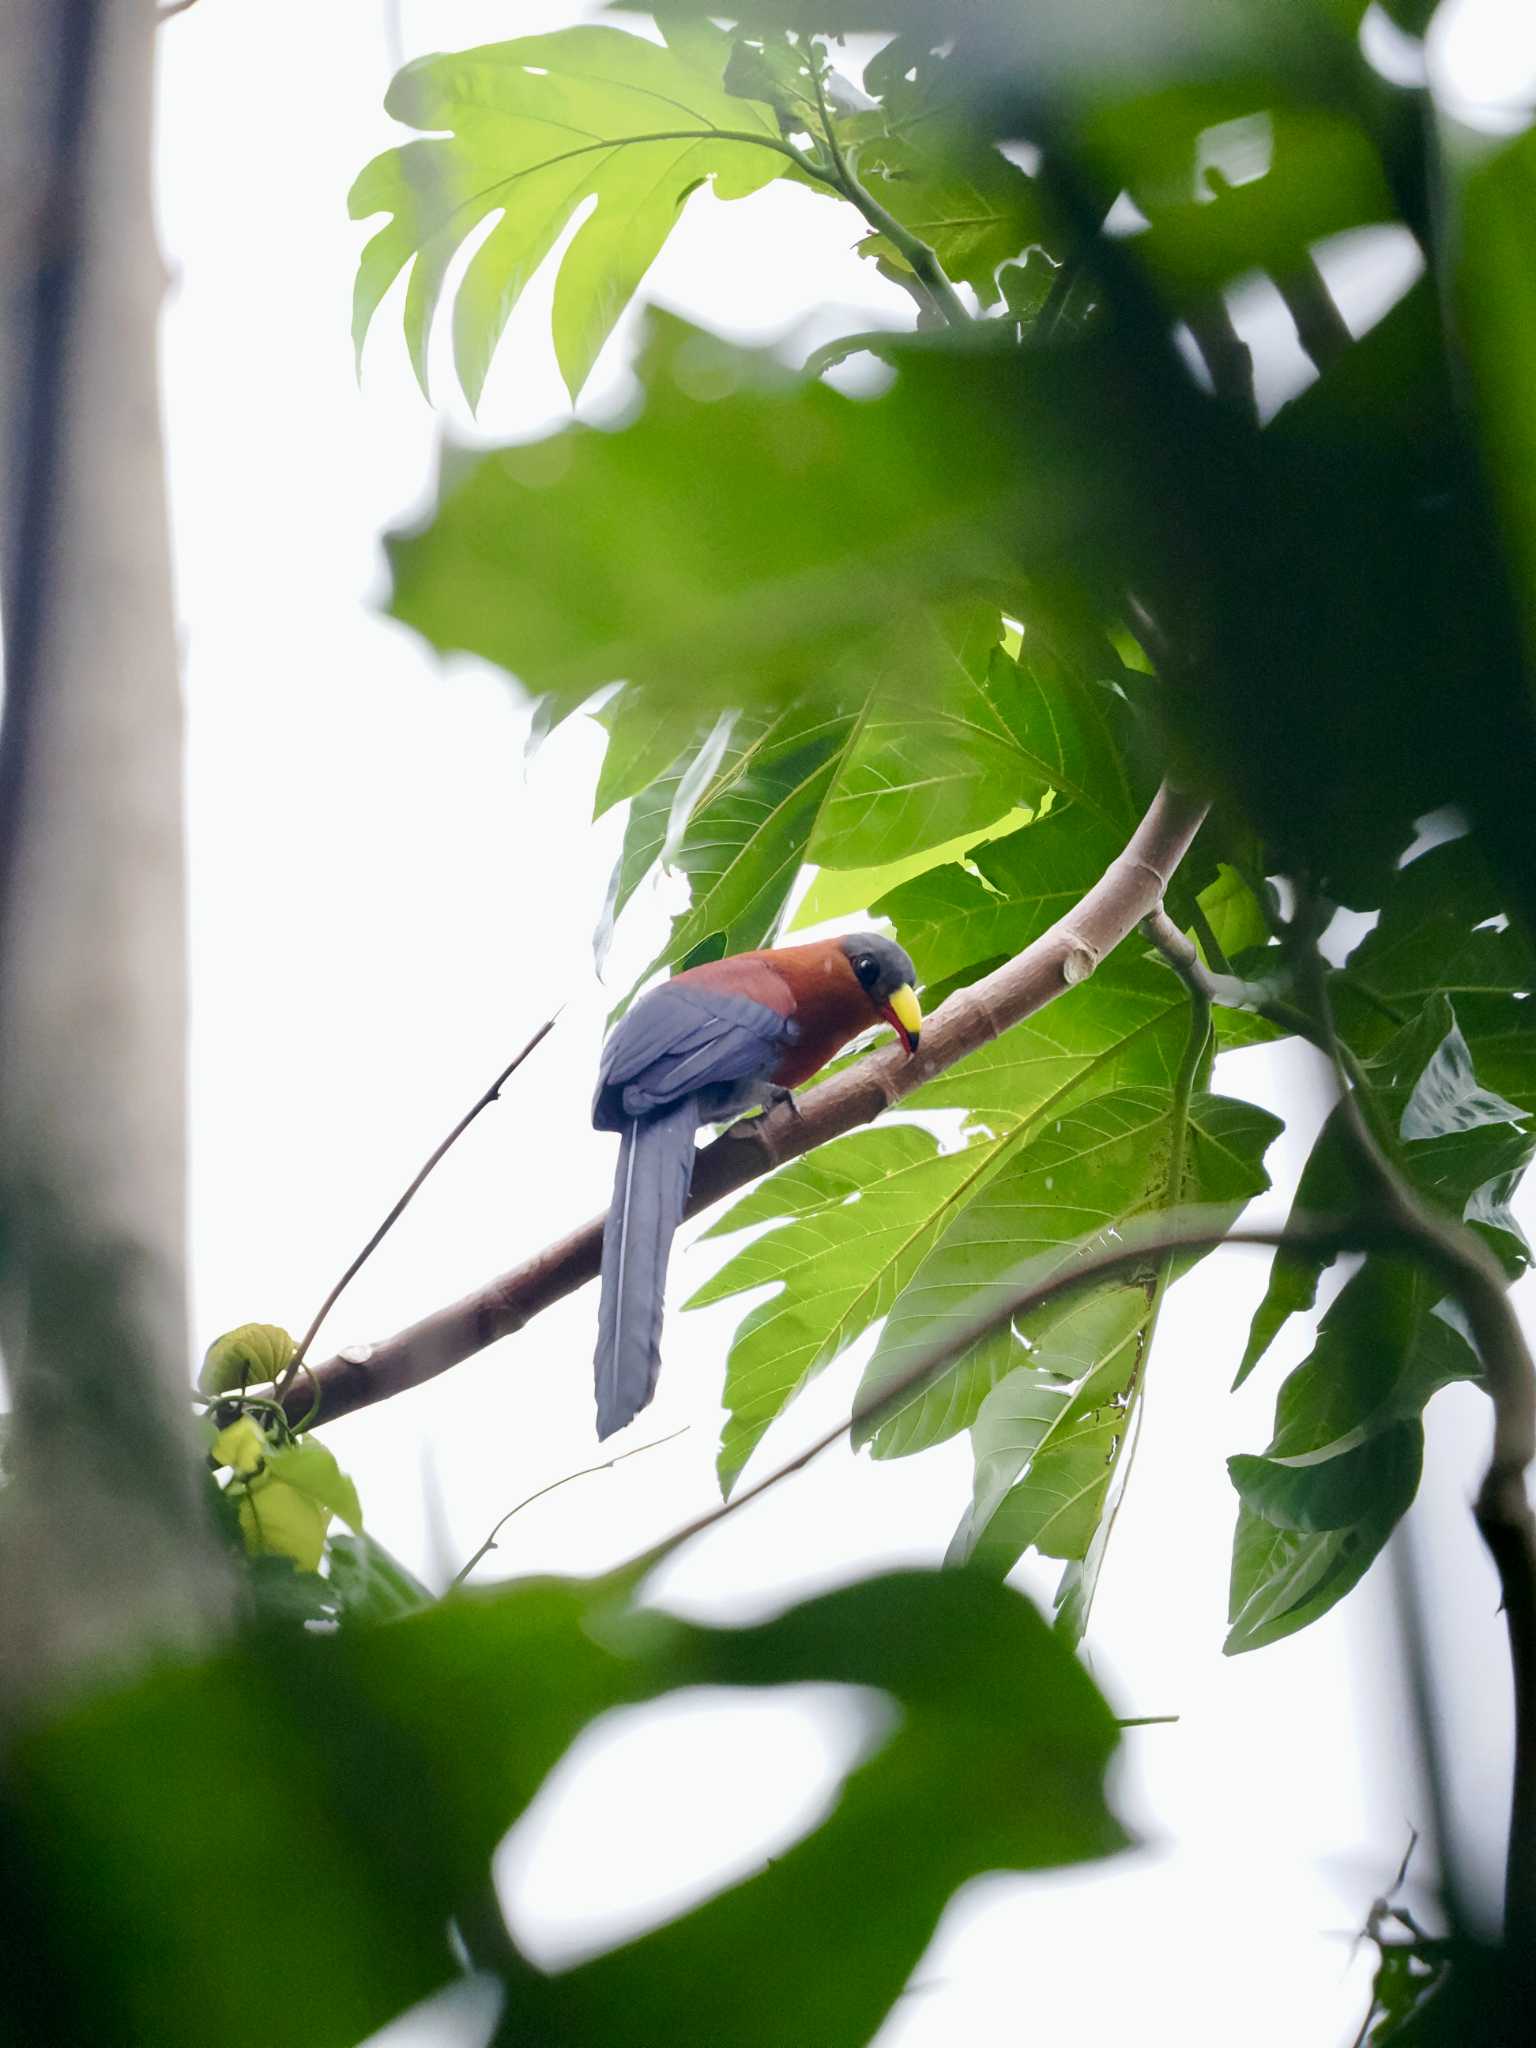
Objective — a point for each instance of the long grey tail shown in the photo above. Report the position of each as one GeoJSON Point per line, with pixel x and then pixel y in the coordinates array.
{"type": "Point", "coordinates": [650, 1191]}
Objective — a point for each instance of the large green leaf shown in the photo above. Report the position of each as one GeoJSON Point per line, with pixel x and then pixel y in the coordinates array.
{"type": "Point", "coordinates": [745, 843]}
{"type": "Point", "coordinates": [937, 731]}
{"type": "Point", "coordinates": [1005, 895]}
{"type": "Point", "coordinates": [645, 835]}
{"type": "Point", "coordinates": [1462, 1145]}
{"type": "Point", "coordinates": [951, 741]}
{"type": "Point", "coordinates": [996, 1762]}
{"type": "Point", "coordinates": [1343, 1463]}
{"type": "Point", "coordinates": [647, 738]}
{"type": "Point", "coordinates": [1075, 1180]}
{"type": "Point", "coordinates": [145, 1825]}
{"type": "Point", "coordinates": [1283, 1578]}
{"type": "Point", "coordinates": [1443, 931]}
{"type": "Point", "coordinates": [1124, 1028]}
{"type": "Point", "coordinates": [836, 892]}
{"type": "Point", "coordinates": [529, 132]}
{"type": "Point", "coordinates": [735, 537]}
{"type": "Point", "coordinates": [1062, 1419]}
{"type": "Point", "coordinates": [1055, 1395]}
{"type": "Point", "coordinates": [861, 1213]}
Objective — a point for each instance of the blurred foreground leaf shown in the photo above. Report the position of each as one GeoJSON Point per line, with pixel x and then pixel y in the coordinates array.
{"type": "Point", "coordinates": [268, 1850]}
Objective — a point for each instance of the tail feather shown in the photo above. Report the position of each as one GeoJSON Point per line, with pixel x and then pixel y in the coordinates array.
{"type": "Point", "coordinates": [650, 1191]}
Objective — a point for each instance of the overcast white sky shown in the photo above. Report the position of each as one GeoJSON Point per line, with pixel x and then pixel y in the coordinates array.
{"type": "Point", "coordinates": [386, 900]}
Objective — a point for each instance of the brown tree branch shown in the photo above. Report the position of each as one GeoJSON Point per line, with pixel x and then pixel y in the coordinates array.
{"type": "Point", "coordinates": [1057, 961]}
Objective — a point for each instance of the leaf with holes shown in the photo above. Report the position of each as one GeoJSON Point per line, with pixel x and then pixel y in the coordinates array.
{"type": "Point", "coordinates": [530, 132]}
{"type": "Point", "coordinates": [1048, 1436]}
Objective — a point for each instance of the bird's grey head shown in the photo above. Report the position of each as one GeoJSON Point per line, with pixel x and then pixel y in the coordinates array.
{"type": "Point", "coordinates": [880, 965]}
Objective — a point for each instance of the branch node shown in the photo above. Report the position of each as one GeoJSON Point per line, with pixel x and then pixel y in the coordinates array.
{"type": "Point", "coordinates": [1079, 960]}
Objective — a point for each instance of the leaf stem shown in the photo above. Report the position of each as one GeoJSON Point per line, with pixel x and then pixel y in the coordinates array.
{"type": "Point", "coordinates": [925, 266]}
{"type": "Point", "coordinates": [296, 1363]}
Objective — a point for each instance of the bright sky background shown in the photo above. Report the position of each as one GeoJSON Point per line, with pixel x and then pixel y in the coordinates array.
{"type": "Point", "coordinates": [386, 900]}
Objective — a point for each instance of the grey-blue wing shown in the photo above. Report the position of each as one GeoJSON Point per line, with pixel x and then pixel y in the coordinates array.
{"type": "Point", "coordinates": [681, 1041]}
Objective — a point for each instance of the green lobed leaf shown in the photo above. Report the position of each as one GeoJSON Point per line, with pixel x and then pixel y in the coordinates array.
{"type": "Point", "coordinates": [1442, 931]}
{"type": "Point", "coordinates": [1074, 1182]}
{"type": "Point", "coordinates": [1006, 894]}
{"type": "Point", "coordinates": [744, 844]}
{"type": "Point", "coordinates": [921, 159]}
{"type": "Point", "coordinates": [645, 835]}
{"type": "Point", "coordinates": [1127, 1026]}
{"type": "Point", "coordinates": [952, 739]}
{"type": "Point", "coordinates": [529, 132]}
{"type": "Point", "coordinates": [996, 1763]}
{"type": "Point", "coordinates": [939, 728]}
{"type": "Point", "coordinates": [1460, 1144]}
{"type": "Point", "coordinates": [1124, 1028]}
{"type": "Point", "coordinates": [1343, 1463]}
{"type": "Point", "coordinates": [854, 1220]}
{"type": "Point", "coordinates": [645, 739]}
{"type": "Point", "coordinates": [836, 892]}
{"type": "Point", "coordinates": [1284, 1578]}
{"type": "Point", "coordinates": [1061, 1419]}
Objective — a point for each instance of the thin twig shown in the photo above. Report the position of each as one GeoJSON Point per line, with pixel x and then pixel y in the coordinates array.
{"type": "Point", "coordinates": [463, 1124]}
{"type": "Point", "coordinates": [554, 1485]}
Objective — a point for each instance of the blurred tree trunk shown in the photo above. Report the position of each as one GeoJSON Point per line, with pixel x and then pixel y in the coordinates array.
{"type": "Point", "coordinates": [104, 1547]}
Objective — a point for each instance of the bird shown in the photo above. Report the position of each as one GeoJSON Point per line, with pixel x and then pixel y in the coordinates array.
{"type": "Point", "coordinates": [717, 1039]}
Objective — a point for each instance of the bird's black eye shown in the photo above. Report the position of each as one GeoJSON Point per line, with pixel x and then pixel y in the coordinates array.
{"type": "Point", "coordinates": [867, 968]}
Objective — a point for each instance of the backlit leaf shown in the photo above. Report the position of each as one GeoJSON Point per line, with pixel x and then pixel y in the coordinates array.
{"type": "Point", "coordinates": [527, 133]}
{"type": "Point", "coordinates": [854, 1220]}
{"type": "Point", "coordinates": [1343, 1463]}
{"type": "Point", "coordinates": [1075, 1180]}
